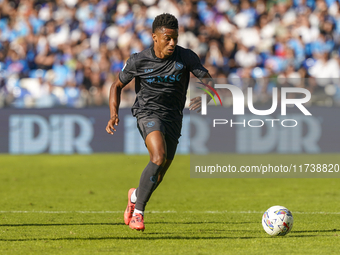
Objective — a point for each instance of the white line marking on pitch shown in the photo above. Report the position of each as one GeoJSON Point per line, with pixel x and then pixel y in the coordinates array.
{"type": "Point", "coordinates": [113, 212]}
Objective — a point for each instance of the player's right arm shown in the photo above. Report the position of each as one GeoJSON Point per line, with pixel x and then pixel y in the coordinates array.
{"type": "Point", "coordinates": [114, 101]}
{"type": "Point", "coordinates": [125, 76]}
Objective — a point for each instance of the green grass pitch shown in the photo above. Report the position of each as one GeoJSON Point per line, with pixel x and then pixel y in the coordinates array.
{"type": "Point", "coordinates": [74, 205]}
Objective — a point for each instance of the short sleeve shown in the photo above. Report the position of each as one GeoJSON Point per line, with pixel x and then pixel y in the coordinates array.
{"type": "Point", "coordinates": [195, 66]}
{"type": "Point", "coordinates": [129, 70]}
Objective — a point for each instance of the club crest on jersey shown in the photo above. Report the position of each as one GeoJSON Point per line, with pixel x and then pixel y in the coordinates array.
{"type": "Point", "coordinates": [178, 66]}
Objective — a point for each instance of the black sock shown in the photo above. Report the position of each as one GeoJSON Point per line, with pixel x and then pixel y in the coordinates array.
{"type": "Point", "coordinates": [154, 188]}
{"type": "Point", "coordinates": [147, 183]}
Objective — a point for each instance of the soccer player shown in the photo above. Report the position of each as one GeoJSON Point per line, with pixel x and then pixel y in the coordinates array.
{"type": "Point", "coordinates": [161, 75]}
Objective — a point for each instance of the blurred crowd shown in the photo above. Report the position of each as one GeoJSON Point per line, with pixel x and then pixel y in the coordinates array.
{"type": "Point", "coordinates": [68, 52]}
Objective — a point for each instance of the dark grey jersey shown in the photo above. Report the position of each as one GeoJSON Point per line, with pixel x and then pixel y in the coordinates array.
{"type": "Point", "coordinates": [161, 84]}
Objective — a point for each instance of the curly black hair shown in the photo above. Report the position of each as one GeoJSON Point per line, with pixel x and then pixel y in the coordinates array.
{"type": "Point", "coordinates": [165, 20]}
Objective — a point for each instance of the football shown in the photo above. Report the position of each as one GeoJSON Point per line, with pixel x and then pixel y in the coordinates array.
{"type": "Point", "coordinates": [277, 221]}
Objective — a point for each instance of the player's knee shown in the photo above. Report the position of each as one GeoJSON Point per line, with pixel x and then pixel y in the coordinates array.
{"type": "Point", "coordinates": [158, 158]}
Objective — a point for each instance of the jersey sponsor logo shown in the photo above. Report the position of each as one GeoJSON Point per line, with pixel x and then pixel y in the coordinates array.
{"type": "Point", "coordinates": [178, 66]}
{"type": "Point", "coordinates": [150, 124]}
{"type": "Point", "coordinates": [148, 70]}
{"type": "Point", "coordinates": [167, 78]}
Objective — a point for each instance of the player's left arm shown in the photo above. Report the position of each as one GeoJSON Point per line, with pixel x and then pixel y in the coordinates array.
{"type": "Point", "coordinates": [195, 66]}
{"type": "Point", "coordinates": [196, 102]}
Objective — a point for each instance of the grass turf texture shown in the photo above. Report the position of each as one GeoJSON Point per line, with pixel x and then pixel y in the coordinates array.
{"type": "Point", "coordinates": [206, 216]}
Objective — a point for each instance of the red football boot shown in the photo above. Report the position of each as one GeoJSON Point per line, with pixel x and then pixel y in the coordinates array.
{"type": "Point", "coordinates": [130, 208]}
{"type": "Point", "coordinates": [137, 222]}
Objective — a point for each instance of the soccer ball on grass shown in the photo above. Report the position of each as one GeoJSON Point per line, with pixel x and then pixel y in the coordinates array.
{"type": "Point", "coordinates": [277, 221]}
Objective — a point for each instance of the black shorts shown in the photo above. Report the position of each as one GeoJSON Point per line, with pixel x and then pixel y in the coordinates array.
{"type": "Point", "coordinates": [170, 129]}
